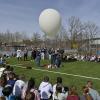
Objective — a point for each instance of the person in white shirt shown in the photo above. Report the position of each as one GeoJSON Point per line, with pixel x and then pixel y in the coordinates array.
{"type": "Point", "coordinates": [18, 86]}
{"type": "Point", "coordinates": [94, 94]}
{"type": "Point", "coordinates": [92, 58]}
{"type": "Point", "coordinates": [58, 81]}
{"type": "Point", "coordinates": [19, 54]}
{"type": "Point", "coordinates": [59, 95]}
{"type": "Point", "coordinates": [45, 89]}
{"type": "Point", "coordinates": [1, 71]}
{"type": "Point", "coordinates": [42, 55]}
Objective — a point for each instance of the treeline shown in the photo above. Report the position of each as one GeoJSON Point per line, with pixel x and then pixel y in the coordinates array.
{"type": "Point", "coordinates": [76, 35]}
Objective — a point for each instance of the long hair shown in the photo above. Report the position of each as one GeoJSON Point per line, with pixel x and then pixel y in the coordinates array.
{"type": "Point", "coordinates": [73, 90]}
{"type": "Point", "coordinates": [31, 84]}
{"type": "Point", "coordinates": [30, 96]}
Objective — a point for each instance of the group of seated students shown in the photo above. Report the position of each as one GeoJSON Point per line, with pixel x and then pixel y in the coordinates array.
{"type": "Point", "coordinates": [14, 87]}
{"type": "Point", "coordinates": [2, 61]}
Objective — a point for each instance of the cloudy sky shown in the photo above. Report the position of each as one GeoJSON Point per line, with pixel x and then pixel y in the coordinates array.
{"type": "Point", "coordinates": [22, 15]}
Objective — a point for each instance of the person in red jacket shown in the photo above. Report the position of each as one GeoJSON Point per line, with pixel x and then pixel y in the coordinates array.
{"type": "Point", "coordinates": [72, 94]}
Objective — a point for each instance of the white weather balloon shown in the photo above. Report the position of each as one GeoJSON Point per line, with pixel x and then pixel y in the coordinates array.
{"type": "Point", "coordinates": [50, 21]}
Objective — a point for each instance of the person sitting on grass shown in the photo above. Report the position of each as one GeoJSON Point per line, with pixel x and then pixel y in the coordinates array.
{"type": "Point", "coordinates": [18, 86]}
{"type": "Point", "coordinates": [45, 89]}
{"type": "Point", "coordinates": [7, 92]}
{"type": "Point", "coordinates": [7, 71]}
{"type": "Point", "coordinates": [73, 95]}
{"type": "Point", "coordinates": [86, 95]}
{"type": "Point", "coordinates": [2, 98]}
{"type": "Point", "coordinates": [30, 87]}
{"type": "Point", "coordinates": [11, 80]}
{"type": "Point", "coordinates": [95, 95]}
{"type": "Point", "coordinates": [1, 71]}
{"type": "Point", "coordinates": [66, 91]}
{"type": "Point", "coordinates": [58, 81]}
{"type": "Point", "coordinates": [30, 96]}
{"type": "Point", "coordinates": [59, 95]}
{"type": "Point", "coordinates": [3, 82]}
{"type": "Point", "coordinates": [2, 61]}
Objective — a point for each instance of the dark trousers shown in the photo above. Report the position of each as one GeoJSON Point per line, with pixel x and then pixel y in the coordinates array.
{"type": "Point", "coordinates": [25, 57]}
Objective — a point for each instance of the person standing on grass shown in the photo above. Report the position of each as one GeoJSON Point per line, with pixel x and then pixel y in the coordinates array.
{"type": "Point", "coordinates": [33, 54]}
{"type": "Point", "coordinates": [19, 54]}
{"type": "Point", "coordinates": [38, 58]}
{"type": "Point", "coordinates": [53, 59]}
{"type": "Point", "coordinates": [58, 60]}
{"type": "Point", "coordinates": [42, 53]}
{"type": "Point", "coordinates": [25, 54]}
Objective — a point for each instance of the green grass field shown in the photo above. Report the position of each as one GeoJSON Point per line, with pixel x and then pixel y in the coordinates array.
{"type": "Point", "coordinates": [90, 69]}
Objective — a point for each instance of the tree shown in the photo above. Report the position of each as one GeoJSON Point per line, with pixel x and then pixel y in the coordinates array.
{"type": "Point", "coordinates": [18, 37]}
{"type": "Point", "coordinates": [63, 39]}
{"type": "Point", "coordinates": [75, 28]}
{"type": "Point", "coordinates": [36, 38]}
{"type": "Point", "coordinates": [91, 30]}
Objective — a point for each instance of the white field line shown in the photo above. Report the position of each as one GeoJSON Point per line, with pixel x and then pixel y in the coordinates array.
{"type": "Point", "coordinates": [94, 78]}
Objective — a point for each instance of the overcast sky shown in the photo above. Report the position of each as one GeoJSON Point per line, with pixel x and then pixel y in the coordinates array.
{"type": "Point", "coordinates": [22, 15]}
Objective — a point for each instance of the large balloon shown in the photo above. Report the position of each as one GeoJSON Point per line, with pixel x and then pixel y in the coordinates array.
{"type": "Point", "coordinates": [50, 21]}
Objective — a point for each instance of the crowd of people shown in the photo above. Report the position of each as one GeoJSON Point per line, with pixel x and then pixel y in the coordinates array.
{"type": "Point", "coordinates": [38, 54]}
{"type": "Point", "coordinates": [55, 56]}
{"type": "Point", "coordinates": [94, 58]}
{"type": "Point", "coordinates": [15, 87]}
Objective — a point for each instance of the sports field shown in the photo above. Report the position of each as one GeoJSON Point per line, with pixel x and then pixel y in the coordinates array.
{"type": "Point", "coordinates": [73, 73]}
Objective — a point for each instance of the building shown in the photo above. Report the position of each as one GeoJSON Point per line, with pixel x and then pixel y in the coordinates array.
{"type": "Point", "coordinates": [95, 45]}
